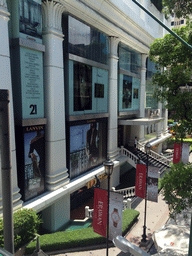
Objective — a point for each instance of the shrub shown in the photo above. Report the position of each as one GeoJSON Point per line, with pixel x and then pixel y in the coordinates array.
{"type": "Point", "coordinates": [26, 225]}
{"type": "Point", "coordinates": [78, 238]}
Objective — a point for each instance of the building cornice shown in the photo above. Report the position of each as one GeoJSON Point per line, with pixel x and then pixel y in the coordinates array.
{"type": "Point", "coordinates": [106, 17]}
{"type": "Point", "coordinates": [3, 9]}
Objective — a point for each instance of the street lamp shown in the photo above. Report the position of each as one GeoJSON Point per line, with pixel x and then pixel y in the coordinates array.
{"type": "Point", "coordinates": [147, 150]}
{"type": "Point", "coordinates": [108, 171]}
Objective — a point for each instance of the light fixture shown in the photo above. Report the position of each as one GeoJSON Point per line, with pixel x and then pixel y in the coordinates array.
{"type": "Point", "coordinates": [108, 167]}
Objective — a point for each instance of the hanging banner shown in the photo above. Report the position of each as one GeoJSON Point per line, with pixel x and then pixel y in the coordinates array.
{"type": "Point", "coordinates": [177, 153]}
{"type": "Point", "coordinates": [115, 215]}
{"type": "Point", "coordinates": [185, 153]}
{"type": "Point", "coordinates": [152, 184]}
{"type": "Point", "coordinates": [100, 211]}
{"type": "Point", "coordinates": [140, 186]}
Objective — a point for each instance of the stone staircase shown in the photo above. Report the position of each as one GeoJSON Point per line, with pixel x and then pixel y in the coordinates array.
{"type": "Point", "coordinates": [135, 156]}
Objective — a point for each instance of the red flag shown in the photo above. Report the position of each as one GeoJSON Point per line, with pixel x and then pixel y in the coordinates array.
{"type": "Point", "coordinates": [140, 186]}
{"type": "Point", "coordinates": [100, 211]}
{"type": "Point", "coordinates": [177, 153]}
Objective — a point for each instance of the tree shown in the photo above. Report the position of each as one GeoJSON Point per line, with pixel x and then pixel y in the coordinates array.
{"type": "Point", "coordinates": [177, 188]}
{"type": "Point", "coordinates": [181, 8]}
{"type": "Point", "coordinates": [174, 68]}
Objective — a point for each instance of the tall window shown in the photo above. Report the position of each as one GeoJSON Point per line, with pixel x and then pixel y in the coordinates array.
{"type": "Point", "coordinates": [82, 87]}
{"type": "Point", "coordinates": [84, 41]}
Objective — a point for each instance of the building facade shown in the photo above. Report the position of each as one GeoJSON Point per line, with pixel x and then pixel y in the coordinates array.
{"type": "Point", "coordinates": [80, 87]}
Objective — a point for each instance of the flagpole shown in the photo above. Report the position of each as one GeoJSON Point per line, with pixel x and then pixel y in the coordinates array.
{"type": "Point", "coordinates": [147, 149]}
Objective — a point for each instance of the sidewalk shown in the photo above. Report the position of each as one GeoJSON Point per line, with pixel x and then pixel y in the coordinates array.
{"type": "Point", "coordinates": [157, 216]}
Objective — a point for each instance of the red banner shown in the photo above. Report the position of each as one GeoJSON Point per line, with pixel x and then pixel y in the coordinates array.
{"type": "Point", "coordinates": [100, 211]}
{"type": "Point", "coordinates": [177, 153]}
{"type": "Point", "coordinates": [140, 186]}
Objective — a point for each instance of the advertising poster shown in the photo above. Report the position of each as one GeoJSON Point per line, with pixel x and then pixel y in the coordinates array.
{"type": "Point", "coordinates": [185, 153]}
{"type": "Point", "coordinates": [115, 215]}
{"type": "Point", "coordinates": [30, 22]}
{"type": "Point", "coordinates": [127, 92]}
{"type": "Point", "coordinates": [152, 184]}
{"type": "Point", "coordinates": [140, 185]}
{"type": "Point", "coordinates": [100, 211]}
{"type": "Point", "coordinates": [87, 147]}
{"type": "Point", "coordinates": [177, 153]}
{"type": "Point", "coordinates": [34, 161]}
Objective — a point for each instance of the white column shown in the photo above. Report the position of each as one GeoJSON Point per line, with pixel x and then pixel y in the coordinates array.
{"type": "Point", "coordinates": [160, 125]}
{"type": "Point", "coordinates": [142, 93]}
{"type": "Point", "coordinates": [56, 171]}
{"type": "Point", "coordinates": [113, 97]}
{"type": "Point", "coordinates": [5, 83]}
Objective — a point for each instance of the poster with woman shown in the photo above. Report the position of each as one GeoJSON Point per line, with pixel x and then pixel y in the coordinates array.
{"type": "Point", "coordinates": [34, 161]}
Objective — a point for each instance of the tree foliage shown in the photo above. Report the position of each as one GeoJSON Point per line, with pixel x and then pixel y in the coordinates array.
{"type": "Point", "coordinates": [177, 187]}
{"type": "Point", "coordinates": [181, 8]}
{"type": "Point", "coordinates": [174, 68]}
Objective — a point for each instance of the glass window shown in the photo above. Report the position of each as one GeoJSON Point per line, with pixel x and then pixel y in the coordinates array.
{"type": "Point", "coordinates": [127, 92]}
{"type": "Point", "coordinates": [82, 87]}
{"type": "Point", "coordinates": [87, 42]}
{"type": "Point", "coordinates": [182, 21]}
{"type": "Point", "coordinates": [129, 60]}
{"type": "Point", "coordinates": [172, 23]}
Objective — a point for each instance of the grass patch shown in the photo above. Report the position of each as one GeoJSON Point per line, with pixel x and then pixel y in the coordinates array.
{"type": "Point", "coordinates": [78, 238]}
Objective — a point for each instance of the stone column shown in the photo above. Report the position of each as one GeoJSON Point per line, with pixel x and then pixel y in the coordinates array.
{"type": "Point", "coordinates": [113, 97]}
{"type": "Point", "coordinates": [56, 171]}
{"type": "Point", "coordinates": [142, 94]}
{"type": "Point", "coordinates": [160, 125]}
{"type": "Point", "coordinates": [6, 83]}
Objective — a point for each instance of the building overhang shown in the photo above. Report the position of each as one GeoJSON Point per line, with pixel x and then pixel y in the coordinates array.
{"type": "Point", "coordinates": [160, 139]}
{"type": "Point", "coordinates": [140, 121]}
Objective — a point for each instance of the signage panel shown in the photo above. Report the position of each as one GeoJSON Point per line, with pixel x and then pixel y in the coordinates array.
{"type": "Point", "coordinates": [185, 153]}
{"type": "Point", "coordinates": [100, 212]}
{"type": "Point", "coordinates": [177, 153]}
{"type": "Point", "coordinates": [152, 184]}
{"type": "Point", "coordinates": [115, 215]}
{"type": "Point", "coordinates": [140, 186]}
{"type": "Point", "coordinates": [32, 83]}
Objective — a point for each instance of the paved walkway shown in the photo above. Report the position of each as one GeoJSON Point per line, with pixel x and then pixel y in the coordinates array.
{"type": "Point", "coordinates": [157, 216]}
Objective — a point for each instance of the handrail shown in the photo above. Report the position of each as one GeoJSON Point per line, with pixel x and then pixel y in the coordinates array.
{"type": "Point", "coordinates": [129, 154]}
{"type": "Point", "coordinates": [155, 154]}
{"type": "Point", "coordinates": [160, 157]}
{"type": "Point", "coordinates": [126, 192]}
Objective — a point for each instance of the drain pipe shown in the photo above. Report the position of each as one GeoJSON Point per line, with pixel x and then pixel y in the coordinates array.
{"type": "Point", "coordinates": [7, 197]}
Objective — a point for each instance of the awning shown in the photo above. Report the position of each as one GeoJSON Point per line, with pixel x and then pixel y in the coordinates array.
{"type": "Point", "coordinates": [140, 121]}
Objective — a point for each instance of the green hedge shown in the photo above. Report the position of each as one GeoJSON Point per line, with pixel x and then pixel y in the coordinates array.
{"type": "Point", "coordinates": [78, 238]}
{"type": "Point", "coordinates": [26, 226]}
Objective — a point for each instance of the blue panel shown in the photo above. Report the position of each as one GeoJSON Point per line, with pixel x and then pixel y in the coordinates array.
{"type": "Point", "coordinates": [32, 83]}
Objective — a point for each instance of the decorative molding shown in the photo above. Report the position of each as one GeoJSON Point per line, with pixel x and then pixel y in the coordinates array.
{"type": "Point", "coordinates": [113, 47]}
{"type": "Point", "coordinates": [52, 11]}
{"type": "Point", "coordinates": [3, 4]}
{"type": "Point", "coordinates": [143, 61]}
{"type": "Point", "coordinates": [3, 9]}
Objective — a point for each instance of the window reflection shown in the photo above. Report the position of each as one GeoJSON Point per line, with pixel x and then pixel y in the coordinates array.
{"type": "Point", "coordinates": [87, 42]}
{"type": "Point", "coordinates": [82, 87]}
{"type": "Point", "coordinates": [129, 60]}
